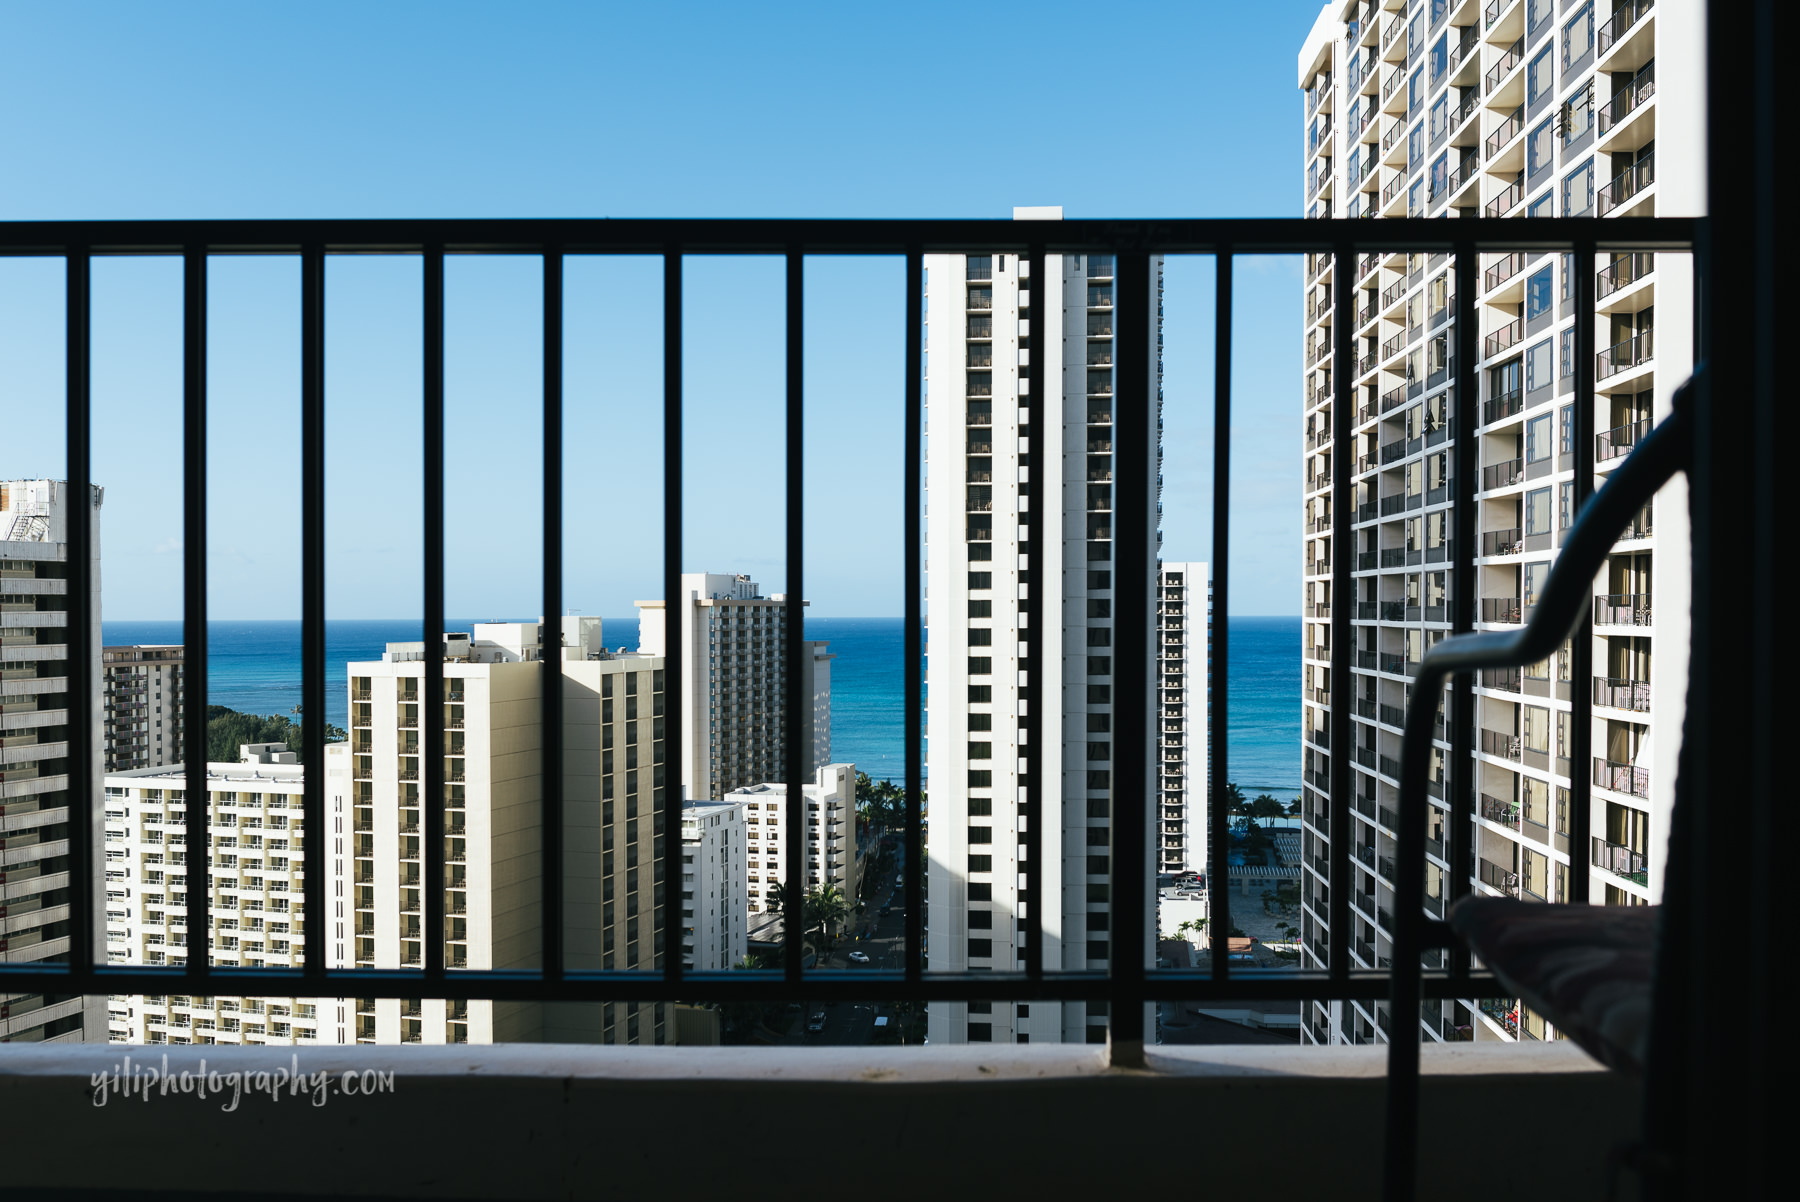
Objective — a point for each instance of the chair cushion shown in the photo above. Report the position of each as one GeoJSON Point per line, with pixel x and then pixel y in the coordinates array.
{"type": "Point", "coordinates": [1585, 968]}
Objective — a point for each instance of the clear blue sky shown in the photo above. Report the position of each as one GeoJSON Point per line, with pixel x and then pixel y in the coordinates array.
{"type": "Point", "coordinates": [127, 110]}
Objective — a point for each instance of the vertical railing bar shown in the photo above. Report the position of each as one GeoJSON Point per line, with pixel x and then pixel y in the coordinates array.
{"type": "Point", "coordinates": [194, 613]}
{"type": "Point", "coordinates": [1218, 671]}
{"type": "Point", "coordinates": [1343, 598]}
{"type": "Point", "coordinates": [312, 607]}
{"type": "Point", "coordinates": [912, 468]}
{"type": "Point", "coordinates": [1133, 418]}
{"type": "Point", "coordinates": [1581, 659]}
{"type": "Point", "coordinates": [1463, 586]}
{"type": "Point", "coordinates": [799, 845]}
{"type": "Point", "coordinates": [431, 700]}
{"type": "Point", "coordinates": [551, 736]}
{"type": "Point", "coordinates": [86, 876]}
{"type": "Point", "coordinates": [675, 606]}
{"type": "Point", "coordinates": [1035, 807]}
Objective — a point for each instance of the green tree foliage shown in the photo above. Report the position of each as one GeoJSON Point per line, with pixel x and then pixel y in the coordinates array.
{"type": "Point", "coordinates": [884, 800]}
{"type": "Point", "coordinates": [824, 909]}
{"type": "Point", "coordinates": [1266, 807]}
{"type": "Point", "coordinates": [1234, 798]}
{"type": "Point", "coordinates": [227, 730]}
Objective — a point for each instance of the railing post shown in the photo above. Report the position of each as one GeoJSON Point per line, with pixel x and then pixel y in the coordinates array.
{"type": "Point", "coordinates": [312, 601]}
{"type": "Point", "coordinates": [1218, 890]}
{"type": "Point", "coordinates": [431, 696]}
{"type": "Point", "coordinates": [794, 703]}
{"type": "Point", "coordinates": [912, 473]}
{"type": "Point", "coordinates": [1033, 804]}
{"type": "Point", "coordinates": [1134, 417]}
{"type": "Point", "coordinates": [675, 609]}
{"type": "Point", "coordinates": [1343, 600]}
{"type": "Point", "coordinates": [86, 875]}
{"type": "Point", "coordinates": [194, 614]}
{"type": "Point", "coordinates": [1581, 658]}
{"type": "Point", "coordinates": [1464, 587]}
{"type": "Point", "coordinates": [550, 738]}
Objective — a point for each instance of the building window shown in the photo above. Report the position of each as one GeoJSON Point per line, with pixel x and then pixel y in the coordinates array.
{"type": "Point", "coordinates": [1578, 190]}
{"type": "Point", "coordinates": [1540, 77]}
{"type": "Point", "coordinates": [1578, 114]}
{"type": "Point", "coordinates": [1567, 446]}
{"type": "Point", "coordinates": [1540, 366]}
{"type": "Point", "coordinates": [1537, 511]}
{"type": "Point", "coordinates": [1533, 576]}
{"type": "Point", "coordinates": [1440, 175]}
{"type": "Point", "coordinates": [1440, 58]}
{"type": "Point", "coordinates": [1538, 290]}
{"type": "Point", "coordinates": [1543, 206]}
{"type": "Point", "coordinates": [1567, 338]}
{"type": "Point", "coordinates": [1540, 149]}
{"type": "Point", "coordinates": [1578, 34]}
{"type": "Point", "coordinates": [1539, 12]}
{"type": "Point", "coordinates": [1540, 438]}
{"type": "Point", "coordinates": [1537, 731]}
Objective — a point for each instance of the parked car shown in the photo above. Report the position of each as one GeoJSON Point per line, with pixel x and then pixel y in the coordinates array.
{"type": "Point", "coordinates": [816, 1023]}
{"type": "Point", "coordinates": [859, 957]}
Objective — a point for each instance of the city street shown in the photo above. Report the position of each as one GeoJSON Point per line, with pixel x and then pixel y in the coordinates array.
{"type": "Point", "coordinates": [883, 940]}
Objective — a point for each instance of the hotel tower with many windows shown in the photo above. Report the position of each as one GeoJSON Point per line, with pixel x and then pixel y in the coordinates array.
{"type": "Point", "coordinates": [1459, 108]}
{"type": "Point", "coordinates": [995, 651]}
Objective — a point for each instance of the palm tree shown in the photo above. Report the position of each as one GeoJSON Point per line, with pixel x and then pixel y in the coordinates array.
{"type": "Point", "coordinates": [777, 896]}
{"type": "Point", "coordinates": [825, 908]}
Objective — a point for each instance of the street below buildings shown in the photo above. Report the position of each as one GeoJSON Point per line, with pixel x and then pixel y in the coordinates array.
{"type": "Point", "coordinates": [881, 937]}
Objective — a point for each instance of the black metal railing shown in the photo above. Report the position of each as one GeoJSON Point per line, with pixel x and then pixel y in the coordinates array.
{"type": "Point", "coordinates": [1129, 981]}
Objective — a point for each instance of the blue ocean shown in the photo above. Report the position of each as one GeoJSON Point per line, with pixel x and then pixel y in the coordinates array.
{"type": "Point", "coordinates": [255, 667]}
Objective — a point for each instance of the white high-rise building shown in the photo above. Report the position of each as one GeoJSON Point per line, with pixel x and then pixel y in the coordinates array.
{"type": "Point", "coordinates": [256, 904]}
{"type": "Point", "coordinates": [830, 828]}
{"type": "Point", "coordinates": [614, 844]}
{"type": "Point", "coordinates": [1184, 691]}
{"type": "Point", "coordinates": [144, 694]}
{"type": "Point", "coordinates": [715, 906]}
{"type": "Point", "coordinates": [1518, 107]}
{"type": "Point", "coordinates": [35, 769]}
{"type": "Point", "coordinates": [986, 551]}
{"type": "Point", "coordinates": [733, 650]}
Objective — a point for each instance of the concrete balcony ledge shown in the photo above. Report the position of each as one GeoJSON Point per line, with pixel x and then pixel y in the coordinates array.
{"type": "Point", "coordinates": [549, 1121]}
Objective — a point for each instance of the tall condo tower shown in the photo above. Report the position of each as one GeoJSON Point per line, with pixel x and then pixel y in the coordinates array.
{"type": "Point", "coordinates": [143, 706]}
{"type": "Point", "coordinates": [256, 909]}
{"type": "Point", "coordinates": [35, 768]}
{"type": "Point", "coordinates": [1527, 108]}
{"type": "Point", "coordinates": [615, 848]}
{"type": "Point", "coordinates": [733, 643]}
{"type": "Point", "coordinates": [1184, 693]}
{"type": "Point", "coordinates": [1020, 612]}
